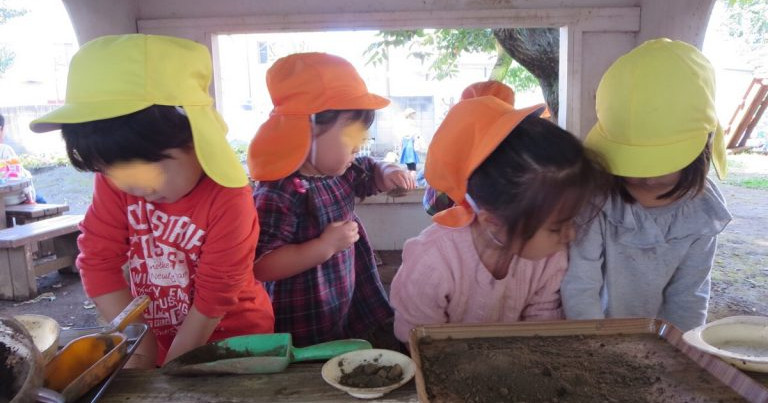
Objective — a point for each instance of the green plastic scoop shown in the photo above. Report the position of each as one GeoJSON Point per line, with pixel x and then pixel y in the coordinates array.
{"type": "Point", "coordinates": [255, 354]}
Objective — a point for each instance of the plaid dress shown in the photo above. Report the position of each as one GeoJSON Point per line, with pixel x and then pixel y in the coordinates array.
{"type": "Point", "coordinates": [343, 297]}
{"type": "Point", "coordinates": [435, 201]}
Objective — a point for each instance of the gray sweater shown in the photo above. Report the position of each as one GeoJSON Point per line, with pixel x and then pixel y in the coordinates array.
{"type": "Point", "coordinates": [632, 261]}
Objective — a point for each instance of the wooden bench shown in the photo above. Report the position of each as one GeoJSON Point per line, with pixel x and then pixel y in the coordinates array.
{"type": "Point", "coordinates": [19, 268]}
{"type": "Point", "coordinates": [27, 213]}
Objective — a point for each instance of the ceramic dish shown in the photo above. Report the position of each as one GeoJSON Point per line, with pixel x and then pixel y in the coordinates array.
{"type": "Point", "coordinates": [739, 340]}
{"type": "Point", "coordinates": [336, 367]}
{"type": "Point", "coordinates": [45, 333]}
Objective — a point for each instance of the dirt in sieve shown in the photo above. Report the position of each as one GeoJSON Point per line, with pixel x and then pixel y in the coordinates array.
{"type": "Point", "coordinates": [7, 374]}
{"type": "Point", "coordinates": [620, 368]}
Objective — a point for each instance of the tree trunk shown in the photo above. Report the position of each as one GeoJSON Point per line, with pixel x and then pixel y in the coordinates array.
{"type": "Point", "coordinates": [538, 50]}
{"type": "Point", "coordinates": [503, 61]}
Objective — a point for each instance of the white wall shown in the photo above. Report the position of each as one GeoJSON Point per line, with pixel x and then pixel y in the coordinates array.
{"type": "Point", "coordinates": [92, 18]}
{"type": "Point", "coordinates": [685, 20]}
{"type": "Point", "coordinates": [389, 221]}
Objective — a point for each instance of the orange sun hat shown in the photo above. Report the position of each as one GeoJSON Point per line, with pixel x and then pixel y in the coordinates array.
{"type": "Point", "coordinates": [495, 89]}
{"type": "Point", "coordinates": [300, 86]}
{"type": "Point", "coordinates": [490, 88]}
{"type": "Point", "coordinates": [470, 132]}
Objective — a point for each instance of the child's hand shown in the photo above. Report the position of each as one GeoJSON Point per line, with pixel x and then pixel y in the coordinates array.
{"type": "Point", "coordinates": [145, 355]}
{"type": "Point", "coordinates": [393, 177]}
{"type": "Point", "coordinates": [340, 235]}
{"type": "Point", "coordinates": [140, 361]}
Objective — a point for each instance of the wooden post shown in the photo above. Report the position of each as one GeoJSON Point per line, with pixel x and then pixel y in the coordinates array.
{"type": "Point", "coordinates": [747, 114]}
{"type": "Point", "coordinates": [16, 265]}
{"type": "Point", "coordinates": [67, 246]}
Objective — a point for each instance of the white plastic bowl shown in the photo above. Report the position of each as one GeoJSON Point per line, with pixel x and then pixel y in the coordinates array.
{"type": "Point", "coordinates": [741, 341]}
{"type": "Point", "coordinates": [45, 333]}
{"type": "Point", "coordinates": [334, 368]}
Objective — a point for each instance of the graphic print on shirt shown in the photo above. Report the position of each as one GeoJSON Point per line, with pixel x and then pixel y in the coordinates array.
{"type": "Point", "coordinates": [163, 260]}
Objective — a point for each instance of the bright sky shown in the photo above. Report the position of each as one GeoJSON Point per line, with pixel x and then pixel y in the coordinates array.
{"type": "Point", "coordinates": [45, 23]}
{"type": "Point", "coordinates": [731, 66]}
{"type": "Point", "coordinates": [43, 41]}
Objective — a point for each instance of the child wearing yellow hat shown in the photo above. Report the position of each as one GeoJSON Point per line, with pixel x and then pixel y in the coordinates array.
{"type": "Point", "coordinates": [171, 201]}
{"type": "Point", "coordinates": [650, 250]}
{"type": "Point", "coordinates": [435, 202]}
{"type": "Point", "coordinates": [500, 253]}
{"type": "Point", "coordinates": [313, 250]}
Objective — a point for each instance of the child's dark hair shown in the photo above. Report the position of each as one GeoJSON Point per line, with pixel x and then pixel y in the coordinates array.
{"type": "Point", "coordinates": [144, 135]}
{"type": "Point", "coordinates": [2, 120]}
{"type": "Point", "coordinates": [538, 170]}
{"type": "Point", "coordinates": [692, 180]}
{"type": "Point", "coordinates": [325, 119]}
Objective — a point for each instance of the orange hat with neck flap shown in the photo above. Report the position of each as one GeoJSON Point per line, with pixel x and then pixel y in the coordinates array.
{"type": "Point", "coordinates": [300, 86]}
{"type": "Point", "coordinates": [490, 88]}
{"type": "Point", "coordinates": [470, 132]}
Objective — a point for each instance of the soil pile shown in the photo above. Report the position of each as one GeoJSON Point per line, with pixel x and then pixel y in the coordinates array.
{"type": "Point", "coordinates": [620, 368]}
{"type": "Point", "coordinates": [7, 376]}
{"type": "Point", "coordinates": [372, 376]}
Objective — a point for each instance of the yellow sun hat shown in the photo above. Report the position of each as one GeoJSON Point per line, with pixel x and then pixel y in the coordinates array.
{"type": "Point", "coordinates": [655, 111]}
{"type": "Point", "coordinates": [117, 75]}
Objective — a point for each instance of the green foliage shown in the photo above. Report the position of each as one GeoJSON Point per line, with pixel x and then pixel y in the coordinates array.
{"type": "Point", "coordinates": [753, 183]}
{"type": "Point", "coordinates": [6, 59]}
{"type": "Point", "coordinates": [7, 56]}
{"type": "Point", "coordinates": [241, 149]}
{"type": "Point", "coordinates": [9, 13]}
{"type": "Point", "coordinates": [518, 77]}
{"type": "Point", "coordinates": [748, 170]}
{"type": "Point", "coordinates": [34, 162]}
{"type": "Point", "coordinates": [748, 20]}
{"type": "Point", "coordinates": [441, 49]}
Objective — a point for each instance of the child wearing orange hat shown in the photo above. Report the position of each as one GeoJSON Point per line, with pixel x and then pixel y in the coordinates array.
{"type": "Point", "coordinates": [435, 202]}
{"type": "Point", "coordinates": [171, 201]}
{"type": "Point", "coordinates": [500, 253]}
{"type": "Point", "coordinates": [313, 250]}
{"type": "Point", "coordinates": [650, 250]}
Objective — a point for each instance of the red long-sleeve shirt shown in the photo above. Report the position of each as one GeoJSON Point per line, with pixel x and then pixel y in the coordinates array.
{"type": "Point", "coordinates": [196, 252]}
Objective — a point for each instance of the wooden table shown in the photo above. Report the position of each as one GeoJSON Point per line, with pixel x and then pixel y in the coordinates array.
{"type": "Point", "coordinates": [301, 382]}
{"type": "Point", "coordinates": [10, 186]}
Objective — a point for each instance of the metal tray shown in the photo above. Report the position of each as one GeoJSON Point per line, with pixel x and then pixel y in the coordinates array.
{"type": "Point", "coordinates": [134, 333]}
{"type": "Point", "coordinates": [691, 357]}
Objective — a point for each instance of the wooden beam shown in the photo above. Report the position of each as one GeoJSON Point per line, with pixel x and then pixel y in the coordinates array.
{"type": "Point", "coordinates": [587, 18]}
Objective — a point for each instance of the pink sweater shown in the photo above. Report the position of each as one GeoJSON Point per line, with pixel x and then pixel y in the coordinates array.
{"type": "Point", "coordinates": [442, 280]}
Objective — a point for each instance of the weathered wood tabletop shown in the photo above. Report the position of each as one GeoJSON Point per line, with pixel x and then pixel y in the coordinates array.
{"type": "Point", "coordinates": [7, 187]}
{"type": "Point", "coordinates": [299, 383]}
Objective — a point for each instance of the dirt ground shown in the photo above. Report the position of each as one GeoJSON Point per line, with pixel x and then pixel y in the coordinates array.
{"type": "Point", "coordinates": [616, 368]}
{"type": "Point", "coordinates": [739, 281]}
{"type": "Point", "coordinates": [740, 274]}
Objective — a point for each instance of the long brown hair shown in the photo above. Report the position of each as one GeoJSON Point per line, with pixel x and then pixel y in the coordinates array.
{"type": "Point", "coordinates": [538, 170]}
